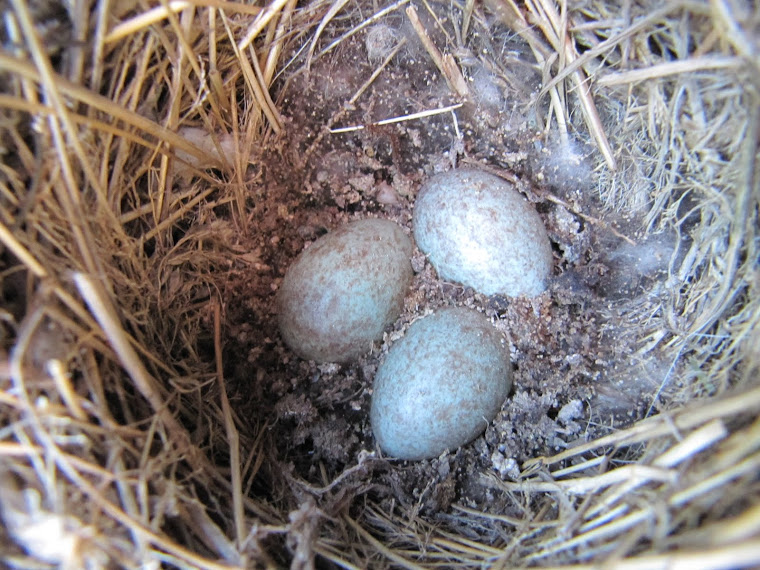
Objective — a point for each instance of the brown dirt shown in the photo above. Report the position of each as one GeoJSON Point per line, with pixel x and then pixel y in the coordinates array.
{"type": "Point", "coordinates": [575, 375]}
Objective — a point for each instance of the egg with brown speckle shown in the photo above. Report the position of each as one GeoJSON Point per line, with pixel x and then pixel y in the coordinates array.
{"type": "Point", "coordinates": [340, 294]}
{"type": "Point", "coordinates": [479, 231]}
{"type": "Point", "coordinates": [440, 384]}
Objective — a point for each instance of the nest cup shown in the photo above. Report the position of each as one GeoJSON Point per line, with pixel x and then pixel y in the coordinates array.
{"type": "Point", "coordinates": [161, 166]}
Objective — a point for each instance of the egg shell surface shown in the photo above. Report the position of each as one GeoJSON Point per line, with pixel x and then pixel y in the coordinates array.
{"type": "Point", "coordinates": [479, 231]}
{"type": "Point", "coordinates": [440, 385]}
{"type": "Point", "coordinates": [341, 292]}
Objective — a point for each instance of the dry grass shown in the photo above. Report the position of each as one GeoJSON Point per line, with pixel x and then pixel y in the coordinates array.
{"type": "Point", "coordinates": [118, 224]}
{"type": "Point", "coordinates": [98, 424]}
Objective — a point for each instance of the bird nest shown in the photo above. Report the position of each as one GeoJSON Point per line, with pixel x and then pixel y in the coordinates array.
{"type": "Point", "coordinates": [164, 162]}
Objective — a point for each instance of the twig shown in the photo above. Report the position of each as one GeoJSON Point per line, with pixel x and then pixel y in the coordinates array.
{"type": "Point", "coordinates": [270, 67]}
{"type": "Point", "coordinates": [743, 555]}
{"type": "Point", "coordinates": [64, 136]}
{"type": "Point", "coordinates": [23, 254]}
{"type": "Point", "coordinates": [400, 119]}
{"type": "Point", "coordinates": [359, 92]}
{"type": "Point", "coordinates": [445, 63]}
{"type": "Point", "coordinates": [748, 186]}
{"type": "Point", "coordinates": [587, 217]}
{"type": "Point", "coordinates": [105, 105]}
{"type": "Point", "coordinates": [335, 7]}
{"type": "Point", "coordinates": [613, 41]}
{"type": "Point", "coordinates": [469, 6]}
{"type": "Point", "coordinates": [723, 18]}
{"type": "Point", "coordinates": [335, 43]}
{"type": "Point", "coordinates": [106, 316]}
{"type": "Point", "coordinates": [365, 459]}
{"type": "Point", "coordinates": [261, 22]}
{"type": "Point", "coordinates": [638, 474]}
{"type": "Point", "coordinates": [556, 34]}
{"type": "Point", "coordinates": [511, 177]}
{"type": "Point", "coordinates": [658, 426]}
{"type": "Point", "coordinates": [255, 80]}
{"type": "Point", "coordinates": [380, 547]}
{"type": "Point", "coordinates": [63, 383]}
{"type": "Point", "coordinates": [233, 438]}
{"type": "Point", "coordinates": [671, 68]}
{"type": "Point", "coordinates": [155, 15]}
{"type": "Point", "coordinates": [349, 104]}
{"type": "Point", "coordinates": [65, 463]}
{"type": "Point", "coordinates": [511, 15]}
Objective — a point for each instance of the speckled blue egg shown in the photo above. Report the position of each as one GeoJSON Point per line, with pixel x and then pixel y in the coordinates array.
{"type": "Point", "coordinates": [477, 230]}
{"type": "Point", "coordinates": [340, 293]}
{"type": "Point", "coordinates": [440, 385]}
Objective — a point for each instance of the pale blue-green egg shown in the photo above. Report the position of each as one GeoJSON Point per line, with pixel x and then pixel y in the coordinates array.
{"type": "Point", "coordinates": [440, 384]}
{"type": "Point", "coordinates": [344, 290]}
{"type": "Point", "coordinates": [477, 230]}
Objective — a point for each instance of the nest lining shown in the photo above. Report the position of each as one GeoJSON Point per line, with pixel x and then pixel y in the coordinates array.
{"type": "Point", "coordinates": [125, 444]}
